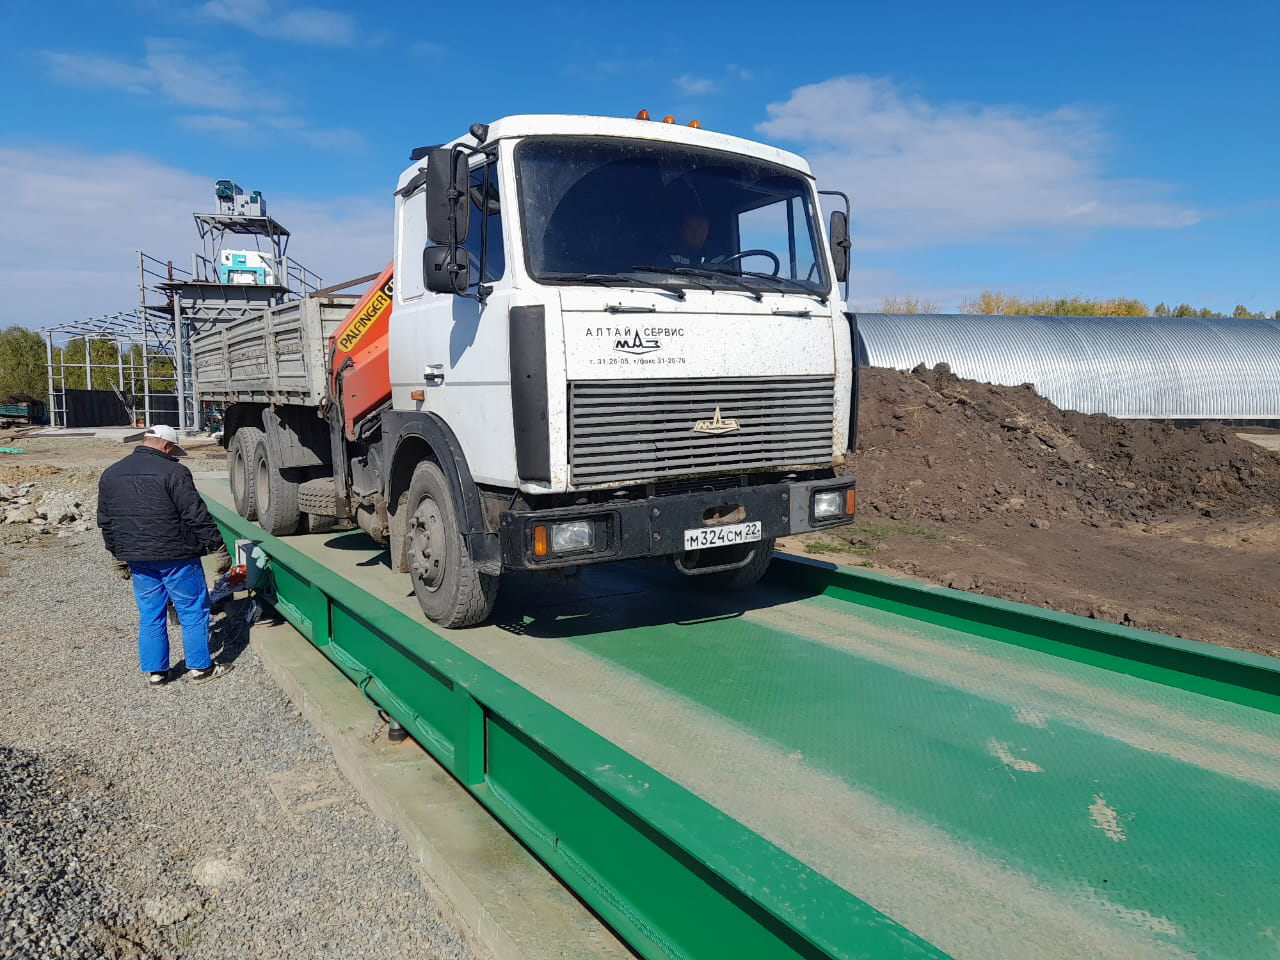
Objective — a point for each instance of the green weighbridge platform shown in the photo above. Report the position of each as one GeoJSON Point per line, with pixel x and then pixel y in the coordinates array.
{"type": "Point", "coordinates": [835, 764]}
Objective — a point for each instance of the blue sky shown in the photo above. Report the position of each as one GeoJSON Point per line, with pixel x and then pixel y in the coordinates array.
{"type": "Point", "coordinates": [1102, 149]}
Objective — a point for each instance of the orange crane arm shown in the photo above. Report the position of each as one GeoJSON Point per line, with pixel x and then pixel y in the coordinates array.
{"type": "Point", "coordinates": [359, 375]}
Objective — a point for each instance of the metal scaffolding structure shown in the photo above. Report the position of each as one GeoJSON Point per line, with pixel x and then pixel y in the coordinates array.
{"type": "Point", "coordinates": [202, 298]}
{"type": "Point", "coordinates": [139, 341]}
{"type": "Point", "coordinates": [175, 305]}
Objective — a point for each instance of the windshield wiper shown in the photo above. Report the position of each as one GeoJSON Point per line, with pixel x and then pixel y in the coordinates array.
{"type": "Point", "coordinates": [786, 283]}
{"type": "Point", "coordinates": [614, 280]}
{"type": "Point", "coordinates": [719, 275]}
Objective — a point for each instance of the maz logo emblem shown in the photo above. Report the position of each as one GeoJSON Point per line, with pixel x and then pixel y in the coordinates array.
{"type": "Point", "coordinates": [716, 425]}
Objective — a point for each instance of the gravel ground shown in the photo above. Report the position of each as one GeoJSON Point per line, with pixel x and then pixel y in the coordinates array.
{"type": "Point", "coordinates": [190, 821]}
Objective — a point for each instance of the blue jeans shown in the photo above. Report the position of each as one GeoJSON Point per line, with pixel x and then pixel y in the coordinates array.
{"type": "Point", "coordinates": [182, 582]}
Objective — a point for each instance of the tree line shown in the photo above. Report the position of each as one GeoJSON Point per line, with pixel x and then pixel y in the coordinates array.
{"type": "Point", "coordinates": [994, 302]}
{"type": "Point", "coordinates": [24, 365]}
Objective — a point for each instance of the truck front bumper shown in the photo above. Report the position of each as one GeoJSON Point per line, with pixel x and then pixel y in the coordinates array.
{"type": "Point", "coordinates": [655, 527]}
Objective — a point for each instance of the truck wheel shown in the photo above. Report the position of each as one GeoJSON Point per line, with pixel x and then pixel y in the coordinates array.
{"type": "Point", "coordinates": [241, 472]}
{"type": "Point", "coordinates": [449, 588]}
{"type": "Point", "coordinates": [318, 523]}
{"type": "Point", "coordinates": [743, 577]}
{"type": "Point", "coordinates": [277, 497]}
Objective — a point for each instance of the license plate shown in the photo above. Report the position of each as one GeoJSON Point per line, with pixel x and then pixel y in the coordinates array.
{"type": "Point", "coordinates": [725, 536]}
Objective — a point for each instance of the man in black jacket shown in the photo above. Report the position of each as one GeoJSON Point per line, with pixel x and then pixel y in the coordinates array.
{"type": "Point", "coordinates": [157, 527]}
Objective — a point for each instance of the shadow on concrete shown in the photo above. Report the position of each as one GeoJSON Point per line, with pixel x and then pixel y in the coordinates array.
{"type": "Point", "coordinates": [623, 596]}
{"type": "Point", "coordinates": [600, 599]}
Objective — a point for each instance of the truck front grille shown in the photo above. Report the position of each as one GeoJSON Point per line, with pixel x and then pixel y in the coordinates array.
{"type": "Point", "coordinates": [629, 430]}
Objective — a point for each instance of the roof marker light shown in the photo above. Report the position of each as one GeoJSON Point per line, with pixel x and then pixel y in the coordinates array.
{"type": "Point", "coordinates": [642, 115]}
{"type": "Point", "coordinates": [668, 119]}
{"type": "Point", "coordinates": [696, 124]}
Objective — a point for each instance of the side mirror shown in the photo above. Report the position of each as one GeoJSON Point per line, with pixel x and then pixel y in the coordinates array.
{"type": "Point", "coordinates": [447, 189]}
{"type": "Point", "coordinates": [446, 269]}
{"type": "Point", "coordinates": [840, 244]}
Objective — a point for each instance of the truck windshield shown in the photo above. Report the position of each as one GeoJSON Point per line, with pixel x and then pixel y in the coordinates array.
{"type": "Point", "coordinates": [646, 212]}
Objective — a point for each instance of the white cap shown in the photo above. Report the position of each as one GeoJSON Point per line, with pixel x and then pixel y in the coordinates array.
{"type": "Point", "coordinates": [163, 431]}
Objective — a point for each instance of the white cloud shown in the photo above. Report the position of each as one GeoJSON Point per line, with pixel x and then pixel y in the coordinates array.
{"type": "Point", "coordinates": [169, 69]}
{"type": "Point", "coordinates": [922, 173]}
{"type": "Point", "coordinates": [85, 70]}
{"type": "Point", "coordinates": [258, 127]}
{"type": "Point", "coordinates": [319, 138]}
{"type": "Point", "coordinates": [75, 221]}
{"type": "Point", "coordinates": [216, 123]}
{"type": "Point", "coordinates": [693, 86]}
{"type": "Point", "coordinates": [174, 73]}
{"type": "Point", "coordinates": [265, 18]}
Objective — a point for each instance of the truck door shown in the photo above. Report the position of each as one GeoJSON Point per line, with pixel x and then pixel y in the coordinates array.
{"type": "Point", "coordinates": [464, 343]}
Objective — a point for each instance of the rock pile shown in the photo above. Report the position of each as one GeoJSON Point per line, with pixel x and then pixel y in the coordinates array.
{"type": "Point", "coordinates": [46, 511]}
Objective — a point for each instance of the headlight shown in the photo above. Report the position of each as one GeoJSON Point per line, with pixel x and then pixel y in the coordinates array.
{"type": "Point", "coordinates": [828, 504]}
{"type": "Point", "coordinates": [572, 537]}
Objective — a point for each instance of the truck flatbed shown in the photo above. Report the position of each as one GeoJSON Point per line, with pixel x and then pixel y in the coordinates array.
{"type": "Point", "coordinates": [276, 355]}
{"type": "Point", "coordinates": [990, 793]}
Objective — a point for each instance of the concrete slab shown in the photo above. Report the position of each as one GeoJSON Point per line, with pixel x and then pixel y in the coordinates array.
{"type": "Point", "coordinates": [123, 434]}
{"type": "Point", "coordinates": [493, 890]}
{"type": "Point", "coordinates": [1269, 441]}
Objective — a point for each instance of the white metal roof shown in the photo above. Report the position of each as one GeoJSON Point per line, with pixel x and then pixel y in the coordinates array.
{"type": "Point", "coordinates": [531, 125]}
{"type": "Point", "coordinates": [1153, 367]}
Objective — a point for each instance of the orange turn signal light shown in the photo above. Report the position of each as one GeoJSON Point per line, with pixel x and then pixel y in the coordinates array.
{"type": "Point", "coordinates": [850, 502]}
{"type": "Point", "coordinates": [418, 395]}
{"type": "Point", "coordinates": [642, 115]}
{"type": "Point", "coordinates": [539, 541]}
{"type": "Point", "coordinates": [697, 125]}
{"type": "Point", "coordinates": [668, 119]}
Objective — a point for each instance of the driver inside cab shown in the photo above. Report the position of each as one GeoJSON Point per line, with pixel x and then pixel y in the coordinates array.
{"type": "Point", "coordinates": [689, 229]}
{"type": "Point", "coordinates": [691, 246]}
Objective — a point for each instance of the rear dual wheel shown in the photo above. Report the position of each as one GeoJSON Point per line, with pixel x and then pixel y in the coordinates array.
{"type": "Point", "coordinates": [240, 470]}
{"type": "Point", "coordinates": [277, 497]}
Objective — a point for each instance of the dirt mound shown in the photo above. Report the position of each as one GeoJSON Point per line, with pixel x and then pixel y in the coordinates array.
{"type": "Point", "coordinates": [25, 472]}
{"type": "Point", "coordinates": [935, 447]}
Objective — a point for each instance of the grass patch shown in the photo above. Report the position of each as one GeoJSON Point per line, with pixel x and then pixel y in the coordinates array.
{"type": "Point", "coordinates": [825, 546]}
{"type": "Point", "coordinates": [861, 539]}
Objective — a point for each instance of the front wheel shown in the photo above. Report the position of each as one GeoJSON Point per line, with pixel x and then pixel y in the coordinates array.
{"type": "Point", "coordinates": [449, 588]}
{"type": "Point", "coordinates": [747, 575]}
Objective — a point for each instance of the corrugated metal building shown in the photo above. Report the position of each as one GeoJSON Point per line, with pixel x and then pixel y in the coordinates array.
{"type": "Point", "coordinates": [1157, 367]}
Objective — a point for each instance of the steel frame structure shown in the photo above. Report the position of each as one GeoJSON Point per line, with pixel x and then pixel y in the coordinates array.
{"type": "Point", "coordinates": [215, 227]}
{"type": "Point", "coordinates": [190, 302]}
{"type": "Point", "coordinates": [197, 300]}
{"type": "Point", "coordinates": [124, 330]}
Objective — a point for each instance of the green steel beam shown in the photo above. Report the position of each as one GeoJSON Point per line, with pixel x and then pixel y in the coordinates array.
{"type": "Point", "coordinates": [1232, 675]}
{"type": "Point", "coordinates": [674, 876]}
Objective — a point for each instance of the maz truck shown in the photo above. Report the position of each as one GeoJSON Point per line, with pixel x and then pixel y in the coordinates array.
{"type": "Point", "coordinates": [600, 339]}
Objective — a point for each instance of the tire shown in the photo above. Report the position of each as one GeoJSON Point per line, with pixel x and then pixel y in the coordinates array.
{"type": "Point", "coordinates": [743, 577]}
{"type": "Point", "coordinates": [317, 496]}
{"type": "Point", "coordinates": [277, 497]}
{"type": "Point", "coordinates": [241, 472]}
{"type": "Point", "coordinates": [317, 523]}
{"type": "Point", "coordinates": [449, 588]}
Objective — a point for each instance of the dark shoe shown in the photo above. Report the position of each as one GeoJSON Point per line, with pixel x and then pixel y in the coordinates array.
{"type": "Point", "coordinates": [209, 673]}
{"type": "Point", "coordinates": [158, 679]}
